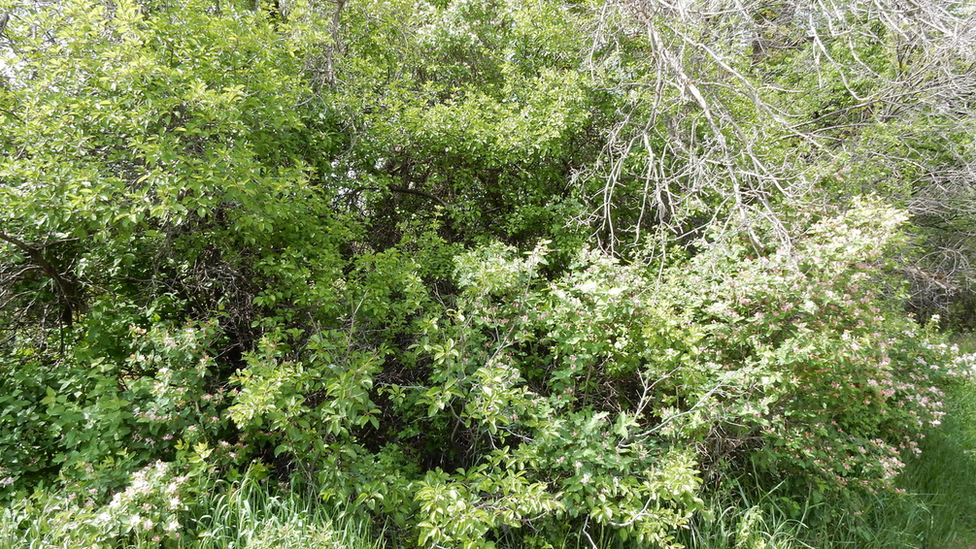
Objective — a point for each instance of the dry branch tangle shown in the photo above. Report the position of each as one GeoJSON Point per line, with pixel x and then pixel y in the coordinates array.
{"type": "Point", "coordinates": [733, 108]}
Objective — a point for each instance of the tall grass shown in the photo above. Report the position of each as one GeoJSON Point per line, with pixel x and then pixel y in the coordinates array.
{"type": "Point", "coordinates": [248, 516]}
{"type": "Point", "coordinates": [944, 476]}
{"type": "Point", "coordinates": [742, 526]}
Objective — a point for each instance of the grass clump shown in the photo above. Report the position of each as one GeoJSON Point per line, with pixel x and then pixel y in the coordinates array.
{"type": "Point", "coordinates": [248, 515]}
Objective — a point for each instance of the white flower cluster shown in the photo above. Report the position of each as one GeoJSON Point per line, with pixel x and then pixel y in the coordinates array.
{"type": "Point", "coordinates": [149, 504]}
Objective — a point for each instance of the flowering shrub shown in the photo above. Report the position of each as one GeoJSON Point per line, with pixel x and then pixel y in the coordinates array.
{"type": "Point", "coordinates": [175, 399]}
{"type": "Point", "coordinates": [97, 418]}
{"type": "Point", "coordinates": [847, 384]}
{"type": "Point", "coordinates": [612, 396]}
{"type": "Point", "coordinates": [149, 507]}
{"type": "Point", "coordinates": [533, 404]}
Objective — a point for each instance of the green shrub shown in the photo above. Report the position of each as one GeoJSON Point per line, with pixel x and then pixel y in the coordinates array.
{"type": "Point", "coordinates": [617, 395]}
{"type": "Point", "coordinates": [92, 420]}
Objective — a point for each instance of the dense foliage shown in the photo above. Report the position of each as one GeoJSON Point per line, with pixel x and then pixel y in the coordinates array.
{"type": "Point", "coordinates": [492, 273]}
